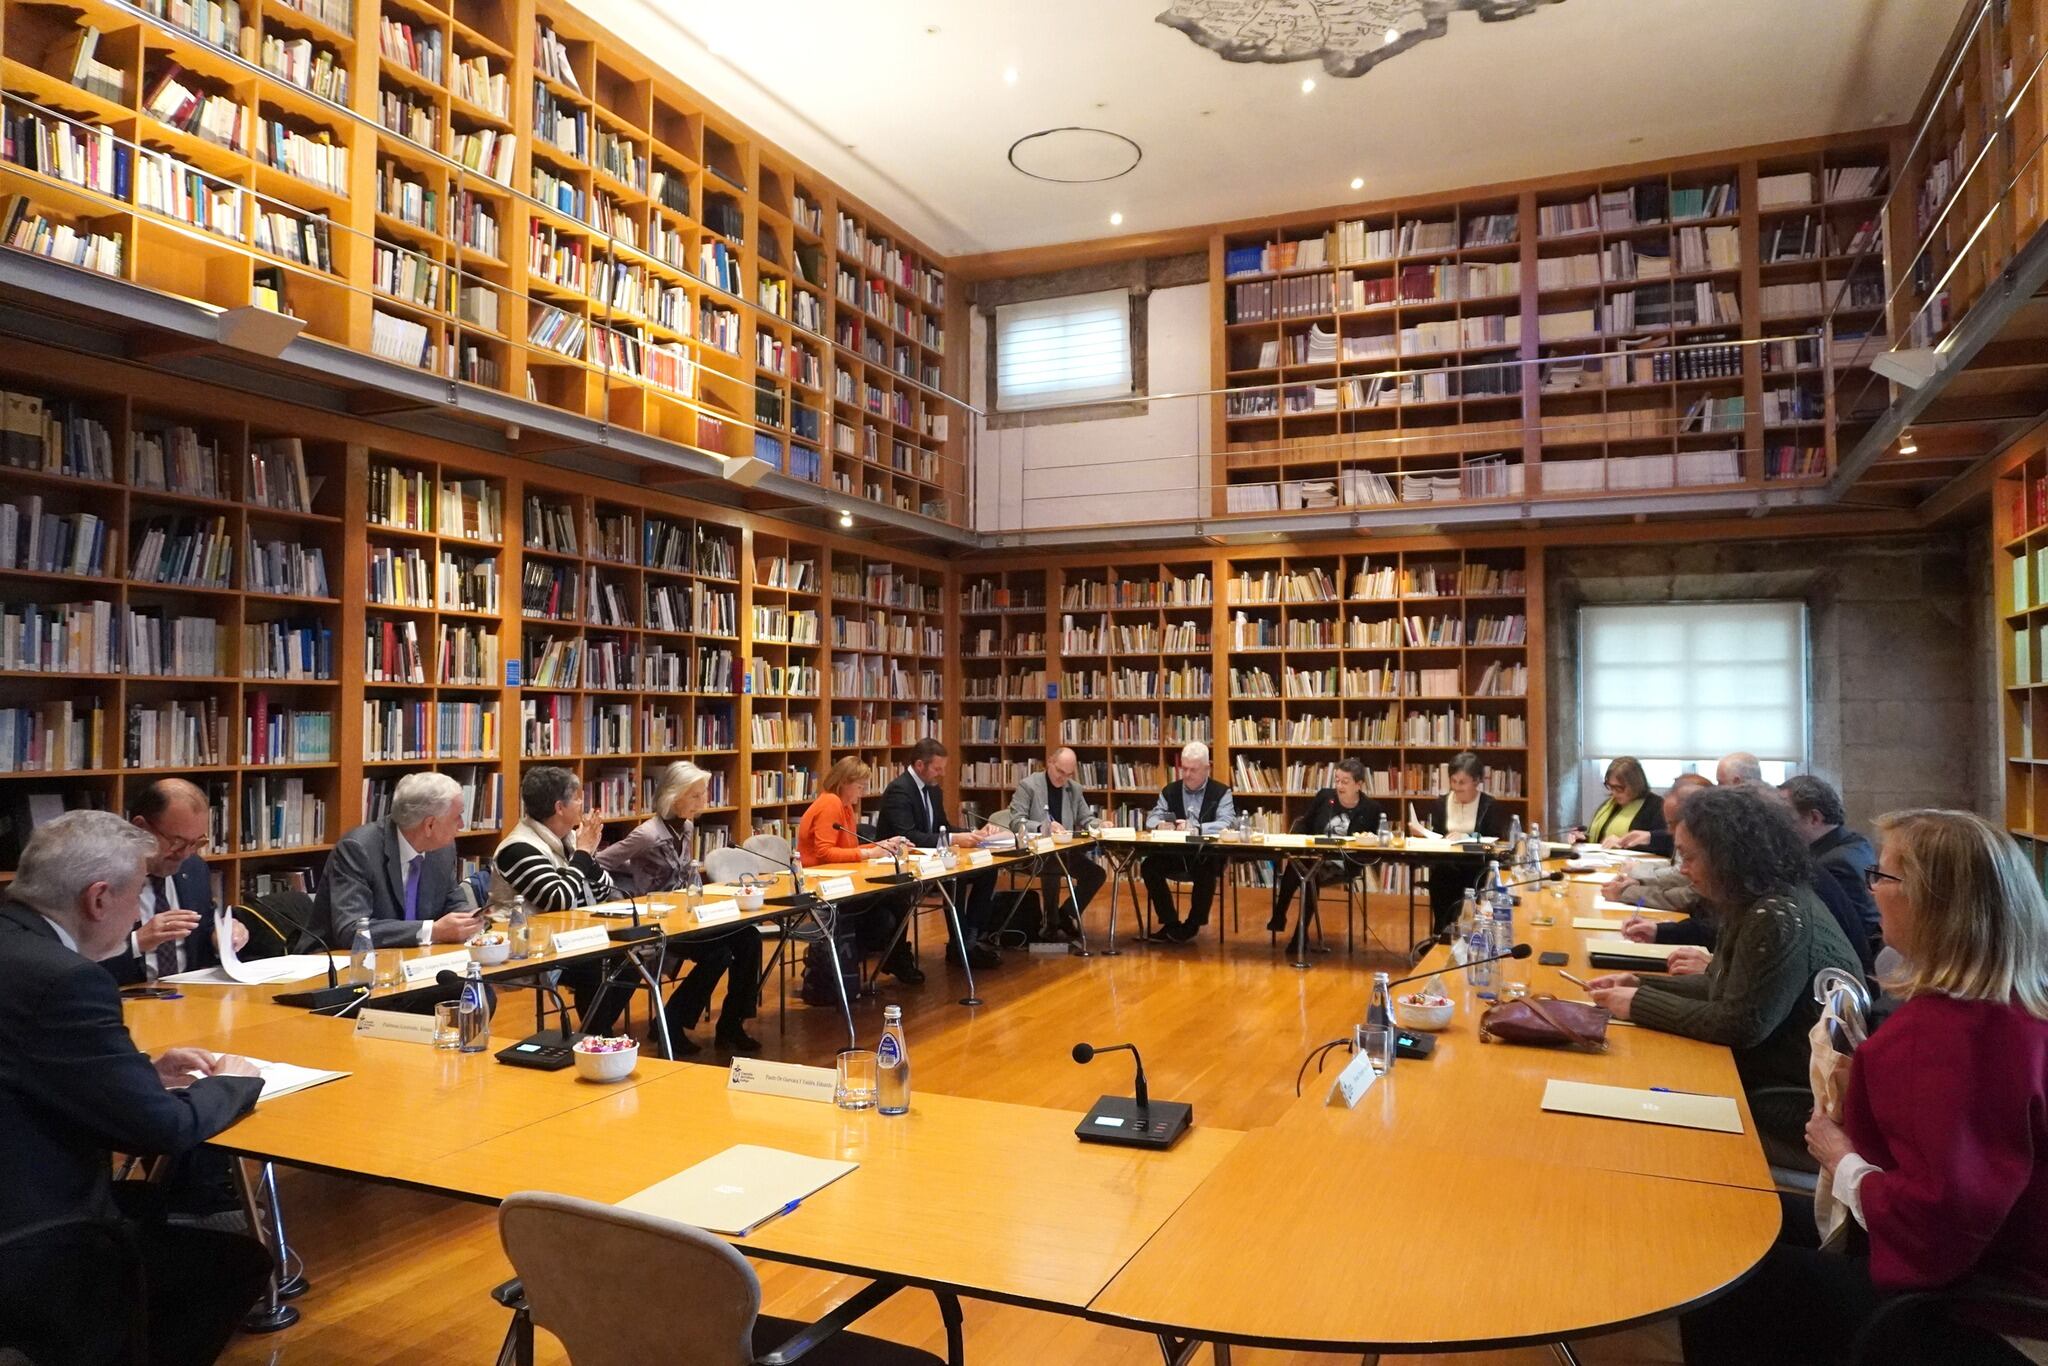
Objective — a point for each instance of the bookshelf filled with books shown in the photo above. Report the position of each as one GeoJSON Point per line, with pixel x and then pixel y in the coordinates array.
{"type": "Point", "coordinates": [373, 168]}
{"type": "Point", "coordinates": [785, 682]}
{"type": "Point", "coordinates": [168, 611]}
{"type": "Point", "coordinates": [1684, 325]}
{"type": "Point", "coordinates": [2019, 536]}
{"type": "Point", "coordinates": [434, 604]}
{"type": "Point", "coordinates": [1003, 730]}
{"type": "Point", "coordinates": [887, 664]}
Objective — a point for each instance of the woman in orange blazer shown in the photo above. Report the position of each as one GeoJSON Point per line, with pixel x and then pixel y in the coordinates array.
{"type": "Point", "coordinates": [825, 833]}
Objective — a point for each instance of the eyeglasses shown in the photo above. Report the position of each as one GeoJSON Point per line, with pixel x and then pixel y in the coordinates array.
{"type": "Point", "coordinates": [1874, 875]}
{"type": "Point", "coordinates": [183, 848]}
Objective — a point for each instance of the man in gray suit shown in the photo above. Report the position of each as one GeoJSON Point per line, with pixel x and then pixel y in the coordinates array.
{"type": "Point", "coordinates": [400, 873]}
{"type": "Point", "coordinates": [1054, 802]}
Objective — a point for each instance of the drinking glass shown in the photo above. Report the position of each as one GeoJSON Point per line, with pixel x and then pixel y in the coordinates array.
{"type": "Point", "coordinates": [447, 1025]}
{"type": "Point", "coordinates": [858, 1079]}
{"type": "Point", "coordinates": [1376, 1041]}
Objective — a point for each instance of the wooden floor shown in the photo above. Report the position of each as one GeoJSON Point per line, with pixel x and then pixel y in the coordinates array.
{"type": "Point", "coordinates": [403, 1277]}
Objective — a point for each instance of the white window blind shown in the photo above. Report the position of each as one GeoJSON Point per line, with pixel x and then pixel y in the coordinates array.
{"type": "Point", "coordinates": [1689, 682]}
{"type": "Point", "coordinates": [1071, 350]}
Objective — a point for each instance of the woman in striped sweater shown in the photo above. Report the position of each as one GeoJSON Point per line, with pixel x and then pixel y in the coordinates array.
{"type": "Point", "coordinates": [549, 858]}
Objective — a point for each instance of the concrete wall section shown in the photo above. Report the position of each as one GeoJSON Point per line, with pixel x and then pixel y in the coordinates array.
{"type": "Point", "coordinates": [1106, 471]}
{"type": "Point", "coordinates": [1904, 688]}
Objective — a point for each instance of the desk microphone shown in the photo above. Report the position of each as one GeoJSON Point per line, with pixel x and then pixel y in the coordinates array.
{"type": "Point", "coordinates": [1133, 1122]}
{"type": "Point", "coordinates": [636, 932]}
{"type": "Point", "coordinates": [798, 897]}
{"type": "Point", "coordinates": [894, 879]}
{"type": "Point", "coordinates": [334, 995]}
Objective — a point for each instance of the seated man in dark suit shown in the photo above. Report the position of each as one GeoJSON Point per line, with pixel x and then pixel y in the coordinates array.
{"type": "Point", "coordinates": [73, 1090]}
{"type": "Point", "coordinates": [400, 873]}
{"type": "Point", "coordinates": [914, 806]}
{"type": "Point", "coordinates": [176, 933]}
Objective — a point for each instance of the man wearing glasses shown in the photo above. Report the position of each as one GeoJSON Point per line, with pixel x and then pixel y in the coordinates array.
{"type": "Point", "coordinates": [175, 933]}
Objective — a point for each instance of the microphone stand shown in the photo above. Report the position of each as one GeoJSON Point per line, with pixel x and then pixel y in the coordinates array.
{"type": "Point", "coordinates": [1134, 1122]}
{"type": "Point", "coordinates": [334, 997]}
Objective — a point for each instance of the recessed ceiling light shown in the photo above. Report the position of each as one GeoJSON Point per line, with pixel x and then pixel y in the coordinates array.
{"type": "Point", "coordinates": [1308, 84]}
{"type": "Point", "coordinates": [1116, 220]}
{"type": "Point", "coordinates": [845, 517]}
{"type": "Point", "coordinates": [1358, 182]}
{"type": "Point", "coordinates": [1009, 75]}
{"type": "Point", "coordinates": [1393, 35]}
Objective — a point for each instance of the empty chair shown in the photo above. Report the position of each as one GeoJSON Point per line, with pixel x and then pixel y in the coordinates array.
{"type": "Point", "coordinates": [691, 1300]}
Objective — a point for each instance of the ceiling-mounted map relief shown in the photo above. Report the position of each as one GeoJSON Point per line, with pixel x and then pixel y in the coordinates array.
{"type": "Point", "coordinates": [1349, 37]}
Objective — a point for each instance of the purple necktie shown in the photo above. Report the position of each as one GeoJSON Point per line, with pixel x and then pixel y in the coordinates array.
{"type": "Point", "coordinates": [166, 952]}
{"type": "Point", "coordinates": [412, 887]}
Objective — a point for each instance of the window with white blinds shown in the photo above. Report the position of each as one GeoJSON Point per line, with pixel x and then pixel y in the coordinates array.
{"type": "Point", "coordinates": [1677, 685]}
{"type": "Point", "coordinates": [1071, 350]}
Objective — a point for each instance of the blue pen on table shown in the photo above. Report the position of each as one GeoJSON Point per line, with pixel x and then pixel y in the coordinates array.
{"type": "Point", "coordinates": [786, 1209]}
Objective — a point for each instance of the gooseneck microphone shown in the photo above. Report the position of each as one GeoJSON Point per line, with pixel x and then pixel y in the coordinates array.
{"type": "Point", "coordinates": [1518, 952]}
{"type": "Point", "coordinates": [334, 994]}
{"type": "Point", "coordinates": [1085, 1053]}
{"type": "Point", "coordinates": [1132, 1121]}
{"type": "Point", "coordinates": [887, 879]}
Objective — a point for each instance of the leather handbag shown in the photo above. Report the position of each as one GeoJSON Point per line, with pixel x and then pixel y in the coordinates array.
{"type": "Point", "coordinates": [1546, 1022]}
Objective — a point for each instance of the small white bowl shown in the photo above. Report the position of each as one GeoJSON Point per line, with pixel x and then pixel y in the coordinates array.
{"type": "Point", "coordinates": [1423, 1019]}
{"type": "Point", "coordinates": [491, 955]}
{"type": "Point", "coordinates": [614, 1066]}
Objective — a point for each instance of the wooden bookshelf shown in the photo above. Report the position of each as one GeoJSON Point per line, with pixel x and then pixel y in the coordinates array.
{"type": "Point", "coordinates": [677, 627]}
{"type": "Point", "coordinates": [1003, 693]}
{"type": "Point", "coordinates": [886, 624]}
{"type": "Point", "coordinates": [1652, 327]}
{"type": "Point", "coordinates": [516, 200]}
{"type": "Point", "coordinates": [264, 740]}
{"type": "Point", "coordinates": [2019, 534]}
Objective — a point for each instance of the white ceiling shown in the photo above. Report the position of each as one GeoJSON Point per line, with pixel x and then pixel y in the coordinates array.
{"type": "Point", "coordinates": [918, 123]}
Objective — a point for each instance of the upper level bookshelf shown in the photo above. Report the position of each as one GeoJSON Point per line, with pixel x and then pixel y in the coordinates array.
{"type": "Point", "coordinates": [499, 192]}
{"type": "Point", "coordinates": [1673, 326]}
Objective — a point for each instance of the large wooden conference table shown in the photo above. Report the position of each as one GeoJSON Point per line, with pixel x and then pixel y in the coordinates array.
{"type": "Point", "coordinates": [1447, 1210]}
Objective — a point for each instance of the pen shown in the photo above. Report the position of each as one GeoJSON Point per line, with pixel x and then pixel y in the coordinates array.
{"type": "Point", "coordinates": [786, 1209]}
{"type": "Point", "coordinates": [1573, 980]}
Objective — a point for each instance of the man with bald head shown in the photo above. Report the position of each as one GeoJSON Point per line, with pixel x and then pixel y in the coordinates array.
{"type": "Point", "coordinates": [175, 933]}
{"type": "Point", "coordinates": [1738, 768]}
{"type": "Point", "coordinates": [1053, 801]}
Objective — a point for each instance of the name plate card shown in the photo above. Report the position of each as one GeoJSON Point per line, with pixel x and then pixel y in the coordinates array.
{"type": "Point", "coordinates": [1118, 832]}
{"type": "Point", "coordinates": [1044, 844]}
{"type": "Point", "coordinates": [1168, 836]}
{"type": "Point", "coordinates": [977, 858]}
{"type": "Point", "coordinates": [573, 941]}
{"type": "Point", "coordinates": [396, 1025]}
{"type": "Point", "coordinates": [832, 888]}
{"type": "Point", "coordinates": [928, 866]}
{"type": "Point", "coordinates": [1353, 1082]}
{"type": "Point", "coordinates": [788, 1079]}
{"type": "Point", "coordinates": [426, 969]}
{"type": "Point", "coordinates": [716, 912]}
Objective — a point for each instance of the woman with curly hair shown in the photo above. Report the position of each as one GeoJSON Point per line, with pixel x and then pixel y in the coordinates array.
{"type": "Point", "coordinates": [1753, 874]}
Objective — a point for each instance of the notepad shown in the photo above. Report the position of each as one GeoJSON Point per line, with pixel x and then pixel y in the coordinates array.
{"type": "Point", "coordinates": [1601, 903]}
{"type": "Point", "coordinates": [733, 1191]}
{"type": "Point", "coordinates": [1596, 922]}
{"type": "Point", "coordinates": [1676, 1108]}
{"type": "Point", "coordinates": [283, 1078]}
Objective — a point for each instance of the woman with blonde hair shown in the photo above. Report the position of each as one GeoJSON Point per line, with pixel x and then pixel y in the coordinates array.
{"type": "Point", "coordinates": [1941, 1156]}
{"type": "Point", "coordinates": [659, 855]}
{"type": "Point", "coordinates": [826, 834]}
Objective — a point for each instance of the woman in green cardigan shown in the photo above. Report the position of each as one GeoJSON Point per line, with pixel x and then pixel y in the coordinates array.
{"type": "Point", "coordinates": [1630, 805]}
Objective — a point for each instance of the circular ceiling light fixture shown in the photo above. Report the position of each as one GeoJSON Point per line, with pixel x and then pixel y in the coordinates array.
{"type": "Point", "coordinates": [1075, 155]}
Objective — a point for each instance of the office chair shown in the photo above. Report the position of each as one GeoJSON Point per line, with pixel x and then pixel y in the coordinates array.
{"type": "Point", "coordinates": [568, 1252]}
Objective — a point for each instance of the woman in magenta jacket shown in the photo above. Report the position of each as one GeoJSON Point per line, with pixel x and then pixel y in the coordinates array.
{"type": "Point", "coordinates": [1942, 1153]}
